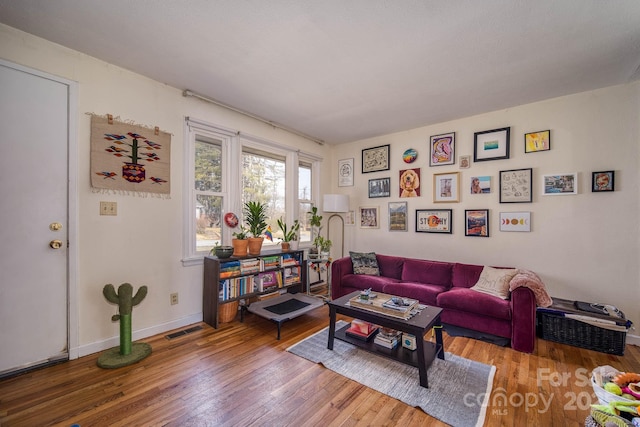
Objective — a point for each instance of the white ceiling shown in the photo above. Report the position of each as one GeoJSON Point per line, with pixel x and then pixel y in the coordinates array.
{"type": "Point", "coordinates": [343, 70]}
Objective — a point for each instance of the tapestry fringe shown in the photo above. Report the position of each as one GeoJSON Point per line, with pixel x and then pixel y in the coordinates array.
{"type": "Point", "coordinates": [142, 194]}
{"type": "Point", "coordinates": [126, 121]}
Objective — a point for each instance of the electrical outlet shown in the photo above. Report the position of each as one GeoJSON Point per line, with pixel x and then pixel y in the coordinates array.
{"type": "Point", "coordinates": [174, 298]}
{"type": "Point", "coordinates": [109, 208]}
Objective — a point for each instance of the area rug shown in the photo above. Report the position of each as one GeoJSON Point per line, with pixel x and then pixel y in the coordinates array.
{"type": "Point", "coordinates": [459, 389]}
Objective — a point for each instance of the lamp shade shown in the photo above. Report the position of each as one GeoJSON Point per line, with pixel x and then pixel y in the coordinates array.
{"type": "Point", "coordinates": [335, 203]}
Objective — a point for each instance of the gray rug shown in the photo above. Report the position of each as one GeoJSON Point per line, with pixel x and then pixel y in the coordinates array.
{"type": "Point", "coordinates": [459, 389]}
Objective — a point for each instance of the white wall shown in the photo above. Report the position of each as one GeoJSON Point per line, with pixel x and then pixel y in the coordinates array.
{"type": "Point", "coordinates": [143, 244]}
{"type": "Point", "coordinates": [584, 247]}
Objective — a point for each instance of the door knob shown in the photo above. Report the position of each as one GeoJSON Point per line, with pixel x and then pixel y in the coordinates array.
{"type": "Point", "coordinates": [55, 244]}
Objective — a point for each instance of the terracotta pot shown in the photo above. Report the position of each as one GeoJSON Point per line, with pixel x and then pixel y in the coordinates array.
{"type": "Point", "coordinates": [286, 246]}
{"type": "Point", "coordinates": [240, 247]}
{"type": "Point", "coordinates": [255, 245]}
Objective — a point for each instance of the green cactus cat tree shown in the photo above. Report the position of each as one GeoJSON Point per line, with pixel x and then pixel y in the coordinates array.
{"type": "Point", "coordinates": [128, 352]}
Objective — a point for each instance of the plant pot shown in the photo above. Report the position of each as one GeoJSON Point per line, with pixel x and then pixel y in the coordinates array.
{"type": "Point", "coordinates": [223, 252]}
{"type": "Point", "coordinates": [255, 245]}
{"type": "Point", "coordinates": [294, 245]}
{"type": "Point", "coordinates": [286, 246]}
{"type": "Point", "coordinates": [240, 247]}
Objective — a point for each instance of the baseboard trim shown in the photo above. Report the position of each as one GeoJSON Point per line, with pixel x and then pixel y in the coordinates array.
{"type": "Point", "coordinates": [98, 346]}
{"type": "Point", "coordinates": [633, 340]}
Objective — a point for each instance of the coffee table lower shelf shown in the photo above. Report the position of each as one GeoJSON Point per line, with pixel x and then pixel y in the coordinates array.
{"type": "Point", "coordinates": [401, 354]}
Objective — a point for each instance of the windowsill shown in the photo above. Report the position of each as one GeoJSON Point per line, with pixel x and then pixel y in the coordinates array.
{"type": "Point", "coordinates": [199, 259]}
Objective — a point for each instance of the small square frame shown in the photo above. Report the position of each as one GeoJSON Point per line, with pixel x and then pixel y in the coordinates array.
{"type": "Point", "coordinates": [515, 221]}
{"type": "Point", "coordinates": [442, 149]}
{"type": "Point", "coordinates": [603, 181]}
{"type": "Point", "coordinates": [465, 161]}
{"type": "Point", "coordinates": [560, 184]}
{"type": "Point", "coordinates": [476, 222]}
{"type": "Point", "coordinates": [398, 216]}
{"type": "Point", "coordinates": [446, 187]}
{"type": "Point", "coordinates": [375, 159]}
{"type": "Point", "coordinates": [379, 187]}
{"type": "Point", "coordinates": [537, 141]}
{"type": "Point", "coordinates": [369, 217]}
{"type": "Point", "coordinates": [515, 186]}
{"type": "Point", "coordinates": [434, 221]}
{"type": "Point", "coordinates": [491, 144]}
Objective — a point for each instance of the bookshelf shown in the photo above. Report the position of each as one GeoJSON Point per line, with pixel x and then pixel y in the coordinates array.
{"type": "Point", "coordinates": [232, 279]}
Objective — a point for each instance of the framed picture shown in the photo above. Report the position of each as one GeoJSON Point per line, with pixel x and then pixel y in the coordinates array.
{"type": "Point", "coordinates": [515, 186]}
{"type": "Point", "coordinates": [350, 218]}
{"type": "Point", "coordinates": [602, 181]}
{"type": "Point", "coordinates": [379, 187]}
{"type": "Point", "coordinates": [345, 173]}
{"type": "Point", "coordinates": [446, 187]}
{"type": "Point", "coordinates": [491, 144]}
{"type": "Point", "coordinates": [410, 182]}
{"type": "Point", "coordinates": [476, 222]}
{"type": "Point", "coordinates": [369, 217]}
{"type": "Point", "coordinates": [465, 162]}
{"type": "Point", "coordinates": [443, 149]}
{"type": "Point", "coordinates": [515, 221]}
{"type": "Point", "coordinates": [434, 220]}
{"type": "Point", "coordinates": [375, 159]}
{"type": "Point", "coordinates": [397, 216]}
{"type": "Point", "coordinates": [537, 141]}
{"type": "Point", "coordinates": [560, 184]}
{"type": "Point", "coordinates": [480, 185]}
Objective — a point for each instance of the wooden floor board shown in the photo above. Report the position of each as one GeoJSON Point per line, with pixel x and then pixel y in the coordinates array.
{"type": "Point", "coordinates": [240, 375]}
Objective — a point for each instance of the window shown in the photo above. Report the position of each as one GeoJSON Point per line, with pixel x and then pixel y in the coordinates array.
{"type": "Point", "coordinates": [283, 178]}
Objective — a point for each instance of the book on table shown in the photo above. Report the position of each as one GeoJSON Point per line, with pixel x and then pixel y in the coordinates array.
{"type": "Point", "coordinates": [361, 329]}
{"type": "Point", "coordinates": [387, 304]}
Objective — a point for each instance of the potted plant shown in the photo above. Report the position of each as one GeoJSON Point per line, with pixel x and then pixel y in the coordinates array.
{"type": "Point", "coordinates": [255, 215]}
{"type": "Point", "coordinates": [240, 242]}
{"type": "Point", "coordinates": [315, 221]}
{"type": "Point", "coordinates": [289, 234]}
{"type": "Point", "coordinates": [221, 252]}
{"type": "Point", "coordinates": [323, 245]}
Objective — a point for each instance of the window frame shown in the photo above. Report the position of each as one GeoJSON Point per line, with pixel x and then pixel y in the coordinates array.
{"type": "Point", "coordinates": [233, 143]}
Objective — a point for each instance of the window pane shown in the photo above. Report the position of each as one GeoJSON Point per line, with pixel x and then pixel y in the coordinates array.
{"type": "Point", "coordinates": [208, 161]}
{"type": "Point", "coordinates": [305, 228]}
{"type": "Point", "coordinates": [208, 217]}
{"type": "Point", "coordinates": [263, 180]}
{"type": "Point", "coordinates": [304, 181]}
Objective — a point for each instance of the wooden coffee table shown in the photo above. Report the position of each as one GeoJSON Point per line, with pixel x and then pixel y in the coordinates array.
{"type": "Point", "coordinates": [418, 325]}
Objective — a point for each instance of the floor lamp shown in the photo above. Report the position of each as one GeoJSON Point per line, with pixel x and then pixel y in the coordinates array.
{"type": "Point", "coordinates": [336, 203]}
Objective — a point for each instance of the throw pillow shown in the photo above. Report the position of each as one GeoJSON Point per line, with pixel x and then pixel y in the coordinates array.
{"type": "Point", "coordinates": [365, 263]}
{"type": "Point", "coordinates": [495, 281]}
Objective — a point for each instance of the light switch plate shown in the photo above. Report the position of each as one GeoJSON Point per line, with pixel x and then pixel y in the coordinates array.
{"type": "Point", "coordinates": [109, 208]}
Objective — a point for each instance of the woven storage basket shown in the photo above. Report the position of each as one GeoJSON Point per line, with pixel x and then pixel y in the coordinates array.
{"type": "Point", "coordinates": [228, 311]}
{"type": "Point", "coordinates": [573, 332]}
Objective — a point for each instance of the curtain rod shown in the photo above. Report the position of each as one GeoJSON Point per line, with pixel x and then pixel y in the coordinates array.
{"type": "Point", "coordinates": [188, 92]}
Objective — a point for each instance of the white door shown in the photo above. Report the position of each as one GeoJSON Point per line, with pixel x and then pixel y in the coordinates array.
{"type": "Point", "coordinates": [33, 200]}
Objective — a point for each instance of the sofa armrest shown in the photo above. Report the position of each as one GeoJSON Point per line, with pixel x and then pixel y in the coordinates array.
{"type": "Point", "coordinates": [523, 320]}
{"type": "Point", "coordinates": [339, 268]}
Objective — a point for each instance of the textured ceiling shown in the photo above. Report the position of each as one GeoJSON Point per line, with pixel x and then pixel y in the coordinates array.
{"type": "Point", "coordinates": [343, 70]}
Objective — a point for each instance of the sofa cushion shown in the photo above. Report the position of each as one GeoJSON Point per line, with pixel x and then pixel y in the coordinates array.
{"type": "Point", "coordinates": [424, 293]}
{"type": "Point", "coordinates": [430, 272]}
{"type": "Point", "coordinates": [463, 299]}
{"type": "Point", "coordinates": [364, 263]}
{"type": "Point", "coordinates": [465, 275]}
{"type": "Point", "coordinates": [364, 281]}
{"type": "Point", "coordinates": [495, 281]}
{"type": "Point", "coordinates": [390, 266]}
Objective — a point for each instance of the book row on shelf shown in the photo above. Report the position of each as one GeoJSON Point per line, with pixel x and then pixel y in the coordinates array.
{"type": "Point", "coordinates": [265, 281]}
{"type": "Point", "coordinates": [234, 268]}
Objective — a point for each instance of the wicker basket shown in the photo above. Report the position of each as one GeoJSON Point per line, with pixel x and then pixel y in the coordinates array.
{"type": "Point", "coordinates": [228, 311]}
{"type": "Point", "coordinates": [573, 332]}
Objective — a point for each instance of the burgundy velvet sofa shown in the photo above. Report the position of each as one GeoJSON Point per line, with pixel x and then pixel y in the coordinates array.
{"type": "Point", "coordinates": [446, 285]}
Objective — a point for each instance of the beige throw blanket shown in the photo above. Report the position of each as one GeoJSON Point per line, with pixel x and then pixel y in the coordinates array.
{"type": "Point", "coordinates": [530, 280]}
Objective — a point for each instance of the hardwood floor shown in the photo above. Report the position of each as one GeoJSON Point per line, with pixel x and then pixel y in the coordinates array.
{"type": "Point", "coordinates": [240, 375]}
